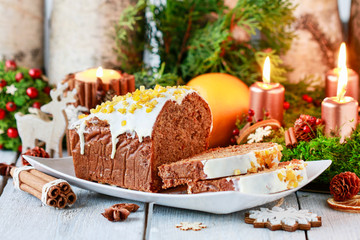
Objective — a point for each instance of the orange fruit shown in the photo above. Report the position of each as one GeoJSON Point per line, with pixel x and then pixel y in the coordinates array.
{"type": "Point", "coordinates": [228, 98]}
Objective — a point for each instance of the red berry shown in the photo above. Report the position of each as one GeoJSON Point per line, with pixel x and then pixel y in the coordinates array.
{"type": "Point", "coordinates": [2, 113]}
{"type": "Point", "coordinates": [47, 90]}
{"type": "Point", "coordinates": [236, 132]}
{"type": "Point", "coordinates": [35, 73]}
{"type": "Point", "coordinates": [36, 105]}
{"type": "Point", "coordinates": [233, 140]}
{"type": "Point", "coordinates": [11, 106]}
{"type": "Point", "coordinates": [249, 118]}
{"type": "Point", "coordinates": [20, 148]}
{"type": "Point", "coordinates": [1, 146]}
{"type": "Point", "coordinates": [32, 92]}
{"type": "Point", "coordinates": [267, 114]}
{"type": "Point", "coordinates": [305, 97]}
{"type": "Point", "coordinates": [306, 129]}
{"type": "Point", "coordinates": [10, 65]}
{"type": "Point", "coordinates": [318, 121]}
{"type": "Point", "coordinates": [12, 132]}
{"type": "Point", "coordinates": [309, 100]}
{"type": "Point", "coordinates": [2, 83]}
{"type": "Point", "coordinates": [251, 112]}
{"type": "Point", "coordinates": [312, 120]}
{"type": "Point", "coordinates": [19, 76]}
{"type": "Point", "coordinates": [286, 105]}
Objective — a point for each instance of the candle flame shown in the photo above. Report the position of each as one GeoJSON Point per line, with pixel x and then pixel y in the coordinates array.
{"type": "Point", "coordinates": [266, 71]}
{"type": "Point", "coordinates": [342, 83]}
{"type": "Point", "coordinates": [99, 72]}
{"type": "Point", "coordinates": [342, 56]}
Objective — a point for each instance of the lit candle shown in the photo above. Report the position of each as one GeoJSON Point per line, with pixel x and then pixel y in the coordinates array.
{"type": "Point", "coordinates": [340, 113]}
{"type": "Point", "coordinates": [91, 75]}
{"type": "Point", "coordinates": [267, 97]}
{"type": "Point", "coordinates": [332, 77]}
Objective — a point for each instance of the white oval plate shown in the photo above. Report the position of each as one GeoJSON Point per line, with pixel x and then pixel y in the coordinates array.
{"type": "Point", "coordinates": [215, 202]}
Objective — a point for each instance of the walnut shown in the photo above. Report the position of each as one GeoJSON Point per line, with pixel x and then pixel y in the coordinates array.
{"type": "Point", "coordinates": [119, 212]}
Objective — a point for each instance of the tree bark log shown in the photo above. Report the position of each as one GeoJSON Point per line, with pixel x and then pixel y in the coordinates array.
{"type": "Point", "coordinates": [82, 35]}
{"type": "Point", "coordinates": [21, 38]}
{"type": "Point", "coordinates": [354, 36]}
{"type": "Point", "coordinates": [318, 29]}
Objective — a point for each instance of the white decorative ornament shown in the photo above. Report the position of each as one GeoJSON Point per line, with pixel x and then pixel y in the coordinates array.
{"type": "Point", "coordinates": [278, 215]}
{"type": "Point", "coordinates": [39, 127]}
{"type": "Point", "coordinates": [259, 134]}
{"type": "Point", "coordinates": [11, 89]}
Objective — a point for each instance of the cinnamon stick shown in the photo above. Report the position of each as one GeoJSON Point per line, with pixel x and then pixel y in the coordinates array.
{"type": "Point", "coordinates": [287, 139]}
{"type": "Point", "coordinates": [30, 180]}
{"type": "Point", "coordinates": [88, 95]}
{"type": "Point", "coordinates": [65, 187]}
{"type": "Point", "coordinates": [51, 202]}
{"type": "Point", "coordinates": [131, 83]}
{"type": "Point", "coordinates": [61, 201]}
{"type": "Point", "coordinates": [80, 92]}
{"type": "Point", "coordinates": [32, 191]}
{"type": "Point", "coordinates": [71, 198]}
{"type": "Point", "coordinates": [53, 192]}
{"type": "Point", "coordinates": [115, 84]}
{"type": "Point", "coordinates": [292, 136]}
{"type": "Point", "coordinates": [42, 175]}
{"type": "Point", "coordinates": [124, 87]}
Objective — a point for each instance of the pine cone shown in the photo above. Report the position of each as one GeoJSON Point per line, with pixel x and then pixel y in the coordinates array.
{"type": "Point", "coordinates": [109, 95]}
{"type": "Point", "coordinates": [344, 186]}
{"type": "Point", "coordinates": [305, 127]}
{"type": "Point", "coordinates": [119, 212]}
{"type": "Point", "coordinates": [36, 152]}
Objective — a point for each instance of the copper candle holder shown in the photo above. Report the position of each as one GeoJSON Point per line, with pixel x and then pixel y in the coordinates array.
{"type": "Point", "coordinates": [340, 117]}
{"type": "Point", "coordinates": [331, 82]}
{"type": "Point", "coordinates": [267, 98]}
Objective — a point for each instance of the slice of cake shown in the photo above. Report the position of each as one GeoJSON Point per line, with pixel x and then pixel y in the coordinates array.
{"type": "Point", "coordinates": [221, 162]}
{"type": "Point", "coordinates": [124, 141]}
{"type": "Point", "coordinates": [288, 175]}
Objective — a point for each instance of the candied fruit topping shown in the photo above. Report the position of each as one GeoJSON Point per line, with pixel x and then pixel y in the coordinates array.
{"type": "Point", "coordinates": [237, 172]}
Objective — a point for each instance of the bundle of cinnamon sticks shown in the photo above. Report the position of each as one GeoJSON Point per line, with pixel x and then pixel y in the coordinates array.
{"type": "Point", "coordinates": [58, 193]}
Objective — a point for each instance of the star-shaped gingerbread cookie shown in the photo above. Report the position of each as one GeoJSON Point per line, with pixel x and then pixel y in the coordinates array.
{"type": "Point", "coordinates": [278, 218]}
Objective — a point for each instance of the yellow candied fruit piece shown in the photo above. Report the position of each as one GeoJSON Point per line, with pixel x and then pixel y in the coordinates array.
{"type": "Point", "coordinates": [82, 116]}
{"type": "Point", "coordinates": [123, 122]}
{"type": "Point", "coordinates": [280, 176]}
{"type": "Point", "coordinates": [149, 110]}
{"type": "Point", "coordinates": [142, 88]}
{"type": "Point", "coordinates": [237, 172]}
{"type": "Point", "coordinates": [110, 109]}
{"type": "Point", "coordinates": [252, 164]}
{"type": "Point", "coordinates": [299, 178]}
{"type": "Point", "coordinates": [290, 175]}
{"type": "Point", "coordinates": [122, 110]}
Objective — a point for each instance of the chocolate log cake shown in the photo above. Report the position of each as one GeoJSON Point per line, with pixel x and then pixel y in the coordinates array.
{"type": "Point", "coordinates": [288, 175]}
{"type": "Point", "coordinates": [221, 162]}
{"type": "Point", "coordinates": [123, 142]}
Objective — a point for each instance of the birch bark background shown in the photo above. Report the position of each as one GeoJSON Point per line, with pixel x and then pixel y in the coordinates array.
{"type": "Point", "coordinates": [82, 35]}
{"type": "Point", "coordinates": [314, 49]}
{"type": "Point", "coordinates": [21, 38]}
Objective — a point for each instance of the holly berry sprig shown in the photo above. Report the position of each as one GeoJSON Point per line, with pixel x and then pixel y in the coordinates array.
{"type": "Point", "coordinates": [20, 88]}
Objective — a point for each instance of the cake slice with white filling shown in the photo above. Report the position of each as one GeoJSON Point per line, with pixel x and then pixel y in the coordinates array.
{"type": "Point", "coordinates": [221, 162]}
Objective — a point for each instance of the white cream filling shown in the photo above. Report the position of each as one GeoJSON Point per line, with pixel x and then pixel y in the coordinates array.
{"type": "Point", "coordinates": [222, 167]}
{"type": "Point", "coordinates": [228, 166]}
{"type": "Point", "coordinates": [139, 122]}
{"type": "Point", "coordinates": [265, 183]}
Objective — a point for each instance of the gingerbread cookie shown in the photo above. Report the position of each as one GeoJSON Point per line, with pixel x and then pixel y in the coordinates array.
{"type": "Point", "coordinates": [278, 218]}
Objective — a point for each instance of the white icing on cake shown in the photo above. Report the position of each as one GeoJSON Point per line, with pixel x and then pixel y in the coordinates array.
{"type": "Point", "coordinates": [277, 216]}
{"type": "Point", "coordinates": [291, 176]}
{"type": "Point", "coordinates": [234, 165]}
{"type": "Point", "coordinates": [133, 113]}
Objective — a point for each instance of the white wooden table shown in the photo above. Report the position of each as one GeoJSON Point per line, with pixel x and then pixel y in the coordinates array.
{"type": "Point", "coordinates": [23, 217]}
